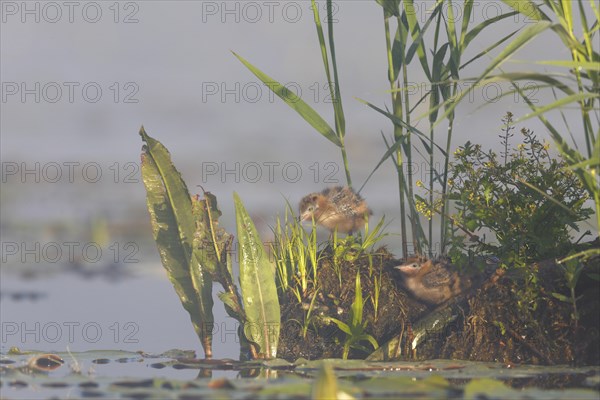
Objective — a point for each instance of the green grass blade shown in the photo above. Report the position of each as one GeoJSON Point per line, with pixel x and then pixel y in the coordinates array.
{"type": "Point", "coordinates": [558, 104]}
{"type": "Point", "coordinates": [295, 102]}
{"type": "Point", "coordinates": [568, 39]}
{"type": "Point", "coordinates": [415, 29]}
{"type": "Point", "coordinates": [399, 122]}
{"type": "Point", "coordinates": [592, 65]}
{"type": "Point", "coordinates": [568, 13]}
{"type": "Point", "coordinates": [170, 208]}
{"type": "Point", "coordinates": [525, 37]}
{"type": "Point", "coordinates": [596, 12]}
{"type": "Point", "coordinates": [418, 41]}
{"type": "Point", "coordinates": [323, 46]}
{"type": "Point", "coordinates": [473, 33]}
{"type": "Point", "coordinates": [529, 76]}
{"type": "Point", "coordinates": [389, 153]}
{"type": "Point", "coordinates": [259, 289]}
{"type": "Point", "coordinates": [593, 162]}
{"type": "Point", "coordinates": [468, 9]}
{"type": "Point", "coordinates": [340, 120]}
{"type": "Point", "coordinates": [391, 7]}
{"type": "Point", "coordinates": [489, 49]}
{"type": "Point", "coordinates": [452, 36]}
{"type": "Point", "coordinates": [438, 66]}
{"type": "Point", "coordinates": [527, 8]}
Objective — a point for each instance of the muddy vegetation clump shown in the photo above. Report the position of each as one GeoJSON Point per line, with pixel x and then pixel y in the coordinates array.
{"type": "Point", "coordinates": [498, 320]}
{"type": "Point", "coordinates": [308, 331]}
{"type": "Point", "coordinates": [498, 324]}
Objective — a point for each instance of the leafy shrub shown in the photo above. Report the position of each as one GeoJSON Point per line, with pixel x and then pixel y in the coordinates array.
{"type": "Point", "coordinates": [525, 199]}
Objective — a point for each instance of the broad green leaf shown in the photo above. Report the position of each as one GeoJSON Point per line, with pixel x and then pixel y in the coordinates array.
{"type": "Point", "coordinates": [210, 241]}
{"type": "Point", "coordinates": [170, 208]}
{"type": "Point", "coordinates": [589, 163]}
{"type": "Point", "coordinates": [212, 246]}
{"type": "Point", "coordinates": [295, 102]}
{"type": "Point", "coordinates": [232, 306]}
{"type": "Point", "coordinates": [257, 281]}
{"type": "Point", "coordinates": [344, 327]}
{"type": "Point", "coordinates": [596, 12]}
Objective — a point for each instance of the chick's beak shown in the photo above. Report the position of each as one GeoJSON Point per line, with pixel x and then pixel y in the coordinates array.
{"type": "Point", "coordinates": [407, 269]}
{"type": "Point", "coordinates": [305, 216]}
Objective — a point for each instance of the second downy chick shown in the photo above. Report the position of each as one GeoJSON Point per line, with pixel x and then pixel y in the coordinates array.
{"type": "Point", "coordinates": [431, 282]}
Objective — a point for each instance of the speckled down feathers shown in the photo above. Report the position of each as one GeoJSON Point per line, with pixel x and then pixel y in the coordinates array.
{"type": "Point", "coordinates": [432, 282]}
{"type": "Point", "coordinates": [337, 208]}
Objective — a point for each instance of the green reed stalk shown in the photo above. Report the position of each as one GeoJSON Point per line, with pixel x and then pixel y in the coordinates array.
{"type": "Point", "coordinates": [397, 110]}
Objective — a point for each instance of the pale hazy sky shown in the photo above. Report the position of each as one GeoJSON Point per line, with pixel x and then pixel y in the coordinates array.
{"type": "Point", "coordinates": [79, 80]}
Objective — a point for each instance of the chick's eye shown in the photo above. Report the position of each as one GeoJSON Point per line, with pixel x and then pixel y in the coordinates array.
{"type": "Point", "coordinates": [310, 208]}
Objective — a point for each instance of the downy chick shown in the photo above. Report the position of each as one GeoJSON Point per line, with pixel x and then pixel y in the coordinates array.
{"type": "Point", "coordinates": [335, 208]}
{"type": "Point", "coordinates": [431, 282]}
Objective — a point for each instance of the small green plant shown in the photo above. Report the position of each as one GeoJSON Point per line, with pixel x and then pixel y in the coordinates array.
{"type": "Point", "coordinates": [351, 247]}
{"type": "Point", "coordinates": [296, 255]}
{"type": "Point", "coordinates": [572, 270]}
{"type": "Point", "coordinates": [573, 81]}
{"type": "Point", "coordinates": [375, 295]}
{"type": "Point", "coordinates": [355, 329]}
{"type": "Point", "coordinates": [309, 317]}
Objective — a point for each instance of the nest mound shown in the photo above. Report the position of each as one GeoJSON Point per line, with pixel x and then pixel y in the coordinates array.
{"type": "Point", "coordinates": [491, 324]}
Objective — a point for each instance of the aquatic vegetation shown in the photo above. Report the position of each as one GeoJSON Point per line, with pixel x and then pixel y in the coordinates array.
{"type": "Point", "coordinates": [355, 328]}
{"type": "Point", "coordinates": [520, 204]}
{"type": "Point", "coordinates": [195, 251]}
